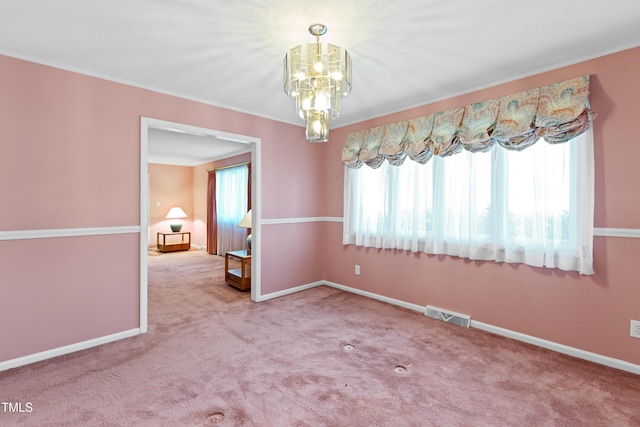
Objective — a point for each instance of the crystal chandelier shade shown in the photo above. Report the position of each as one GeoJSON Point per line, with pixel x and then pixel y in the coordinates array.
{"type": "Point", "coordinates": [317, 75]}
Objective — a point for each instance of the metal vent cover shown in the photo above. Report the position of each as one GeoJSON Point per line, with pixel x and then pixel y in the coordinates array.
{"type": "Point", "coordinates": [448, 316]}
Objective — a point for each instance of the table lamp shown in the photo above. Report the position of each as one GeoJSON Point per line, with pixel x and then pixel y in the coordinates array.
{"type": "Point", "coordinates": [246, 223]}
{"type": "Point", "coordinates": [175, 214]}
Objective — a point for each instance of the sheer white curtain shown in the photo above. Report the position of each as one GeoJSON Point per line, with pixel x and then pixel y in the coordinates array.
{"type": "Point", "coordinates": [231, 207]}
{"type": "Point", "coordinates": [533, 206]}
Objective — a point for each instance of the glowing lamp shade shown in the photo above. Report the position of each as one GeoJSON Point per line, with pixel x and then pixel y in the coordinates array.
{"type": "Point", "coordinates": [246, 223]}
{"type": "Point", "coordinates": [176, 214]}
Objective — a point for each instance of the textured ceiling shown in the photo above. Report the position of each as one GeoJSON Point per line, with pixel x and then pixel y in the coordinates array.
{"type": "Point", "coordinates": [229, 53]}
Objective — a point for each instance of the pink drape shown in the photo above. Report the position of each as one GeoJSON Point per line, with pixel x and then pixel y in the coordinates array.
{"type": "Point", "coordinates": [212, 217]}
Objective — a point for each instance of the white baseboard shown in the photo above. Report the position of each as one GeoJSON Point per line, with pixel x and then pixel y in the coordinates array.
{"type": "Point", "coordinates": [560, 348]}
{"type": "Point", "coordinates": [48, 354]}
{"type": "Point", "coordinates": [550, 345]}
{"type": "Point", "coordinates": [289, 291]}
{"type": "Point", "coordinates": [382, 298]}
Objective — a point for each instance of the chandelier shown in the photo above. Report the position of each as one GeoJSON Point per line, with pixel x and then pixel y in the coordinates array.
{"type": "Point", "coordinates": [317, 74]}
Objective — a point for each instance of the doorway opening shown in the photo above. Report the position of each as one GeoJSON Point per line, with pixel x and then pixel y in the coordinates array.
{"type": "Point", "coordinates": [147, 127]}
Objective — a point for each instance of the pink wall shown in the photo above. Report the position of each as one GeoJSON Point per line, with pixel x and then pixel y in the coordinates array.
{"type": "Point", "coordinates": [295, 251]}
{"type": "Point", "coordinates": [70, 148]}
{"type": "Point", "coordinates": [586, 312]}
{"type": "Point", "coordinates": [62, 291]}
{"type": "Point", "coordinates": [186, 187]}
{"type": "Point", "coordinates": [169, 186]}
{"type": "Point", "coordinates": [70, 158]}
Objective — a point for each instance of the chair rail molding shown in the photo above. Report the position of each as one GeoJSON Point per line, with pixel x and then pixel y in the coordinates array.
{"type": "Point", "coordinates": [67, 232]}
{"type": "Point", "coordinates": [272, 221]}
{"type": "Point", "coordinates": [632, 233]}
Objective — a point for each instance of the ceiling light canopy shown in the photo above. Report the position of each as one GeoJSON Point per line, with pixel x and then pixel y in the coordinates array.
{"type": "Point", "coordinates": [317, 75]}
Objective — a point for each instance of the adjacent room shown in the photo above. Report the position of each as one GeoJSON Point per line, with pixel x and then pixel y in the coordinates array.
{"type": "Point", "coordinates": [429, 208]}
{"type": "Point", "coordinates": [210, 177]}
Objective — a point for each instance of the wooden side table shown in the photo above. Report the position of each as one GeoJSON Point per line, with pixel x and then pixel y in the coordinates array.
{"type": "Point", "coordinates": [172, 246]}
{"type": "Point", "coordinates": [237, 267]}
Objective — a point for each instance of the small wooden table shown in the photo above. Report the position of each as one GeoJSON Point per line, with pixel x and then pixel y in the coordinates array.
{"type": "Point", "coordinates": [237, 267]}
{"type": "Point", "coordinates": [173, 246]}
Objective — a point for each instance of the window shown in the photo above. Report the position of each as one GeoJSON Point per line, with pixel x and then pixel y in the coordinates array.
{"type": "Point", "coordinates": [231, 207]}
{"type": "Point", "coordinates": [533, 206]}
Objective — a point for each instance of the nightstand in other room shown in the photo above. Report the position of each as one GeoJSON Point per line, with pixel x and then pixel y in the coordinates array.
{"type": "Point", "coordinates": [173, 245]}
{"type": "Point", "coordinates": [237, 267]}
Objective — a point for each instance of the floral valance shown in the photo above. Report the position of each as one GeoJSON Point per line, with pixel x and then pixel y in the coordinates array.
{"type": "Point", "coordinates": [556, 112]}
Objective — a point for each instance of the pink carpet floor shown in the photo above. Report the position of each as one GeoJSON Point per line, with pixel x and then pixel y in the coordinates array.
{"type": "Point", "coordinates": [322, 357]}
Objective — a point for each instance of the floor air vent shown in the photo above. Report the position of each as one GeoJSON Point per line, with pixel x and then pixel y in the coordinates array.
{"type": "Point", "coordinates": [448, 316]}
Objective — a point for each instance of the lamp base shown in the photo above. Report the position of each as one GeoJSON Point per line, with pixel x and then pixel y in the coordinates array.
{"type": "Point", "coordinates": [249, 241]}
{"type": "Point", "coordinates": [176, 228]}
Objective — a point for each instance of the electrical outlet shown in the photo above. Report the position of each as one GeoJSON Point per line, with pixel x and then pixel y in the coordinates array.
{"type": "Point", "coordinates": [357, 270]}
{"type": "Point", "coordinates": [635, 328]}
